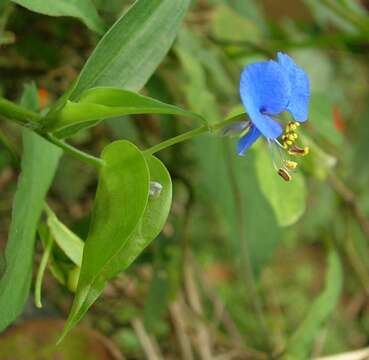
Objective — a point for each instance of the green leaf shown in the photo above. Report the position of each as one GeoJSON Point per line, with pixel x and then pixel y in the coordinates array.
{"type": "Point", "coordinates": [152, 222]}
{"type": "Point", "coordinates": [39, 163]}
{"type": "Point", "coordinates": [69, 242]}
{"type": "Point", "coordinates": [131, 50]}
{"type": "Point", "coordinates": [286, 198]}
{"type": "Point", "coordinates": [83, 10]}
{"type": "Point", "coordinates": [103, 103]}
{"type": "Point", "coordinates": [148, 229]}
{"type": "Point", "coordinates": [121, 199]}
{"type": "Point", "coordinates": [320, 311]}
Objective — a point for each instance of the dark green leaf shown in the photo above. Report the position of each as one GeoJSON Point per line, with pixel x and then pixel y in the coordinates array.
{"type": "Point", "coordinates": [80, 9]}
{"type": "Point", "coordinates": [131, 50]}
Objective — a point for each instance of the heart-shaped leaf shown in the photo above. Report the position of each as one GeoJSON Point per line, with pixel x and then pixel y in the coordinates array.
{"type": "Point", "coordinates": [121, 199]}
{"type": "Point", "coordinates": [147, 229]}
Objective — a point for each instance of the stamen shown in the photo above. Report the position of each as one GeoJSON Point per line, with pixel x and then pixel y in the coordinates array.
{"type": "Point", "coordinates": [291, 165]}
{"type": "Point", "coordinates": [284, 174]}
{"type": "Point", "coordinates": [295, 150]}
{"type": "Point", "coordinates": [276, 154]}
{"type": "Point", "coordinates": [288, 139]}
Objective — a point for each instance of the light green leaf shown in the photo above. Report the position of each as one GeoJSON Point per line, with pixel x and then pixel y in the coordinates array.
{"type": "Point", "coordinates": [131, 50]}
{"type": "Point", "coordinates": [286, 198]}
{"type": "Point", "coordinates": [320, 311]}
{"type": "Point", "coordinates": [83, 10]}
{"type": "Point", "coordinates": [152, 222]}
{"type": "Point", "coordinates": [103, 103]}
{"type": "Point", "coordinates": [69, 242]}
{"type": "Point", "coordinates": [39, 162]}
{"type": "Point", "coordinates": [49, 242]}
{"type": "Point", "coordinates": [121, 199]}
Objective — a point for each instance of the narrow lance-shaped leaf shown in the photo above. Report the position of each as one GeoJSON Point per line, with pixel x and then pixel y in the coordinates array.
{"type": "Point", "coordinates": [69, 242]}
{"type": "Point", "coordinates": [103, 103]}
{"type": "Point", "coordinates": [121, 200]}
{"type": "Point", "coordinates": [148, 229]}
{"type": "Point", "coordinates": [39, 162]}
{"type": "Point", "coordinates": [131, 50]}
{"type": "Point", "coordinates": [83, 10]}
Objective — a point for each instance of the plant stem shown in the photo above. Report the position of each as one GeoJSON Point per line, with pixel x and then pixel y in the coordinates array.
{"type": "Point", "coordinates": [87, 158]}
{"type": "Point", "coordinates": [19, 114]}
{"type": "Point", "coordinates": [41, 270]}
{"type": "Point", "coordinates": [189, 135]}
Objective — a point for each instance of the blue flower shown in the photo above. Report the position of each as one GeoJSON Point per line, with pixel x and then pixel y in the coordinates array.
{"type": "Point", "coordinates": [267, 89]}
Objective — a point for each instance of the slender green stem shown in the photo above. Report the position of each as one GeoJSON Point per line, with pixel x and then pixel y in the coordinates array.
{"type": "Point", "coordinates": [87, 158]}
{"type": "Point", "coordinates": [41, 270]}
{"type": "Point", "coordinates": [189, 135]}
{"type": "Point", "coordinates": [19, 114]}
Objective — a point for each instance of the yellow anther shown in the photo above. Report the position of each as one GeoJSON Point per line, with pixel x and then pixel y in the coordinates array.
{"type": "Point", "coordinates": [291, 137]}
{"type": "Point", "coordinates": [291, 165]}
{"type": "Point", "coordinates": [306, 150]}
{"type": "Point", "coordinates": [297, 124]}
{"type": "Point", "coordinates": [295, 136]}
{"type": "Point", "coordinates": [289, 142]}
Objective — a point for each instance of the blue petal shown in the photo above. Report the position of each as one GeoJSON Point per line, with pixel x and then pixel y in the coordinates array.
{"type": "Point", "coordinates": [300, 88]}
{"type": "Point", "coordinates": [265, 89]}
{"type": "Point", "coordinates": [246, 141]}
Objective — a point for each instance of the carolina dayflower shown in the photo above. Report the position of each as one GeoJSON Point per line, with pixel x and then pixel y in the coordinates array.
{"type": "Point", "coordinates": [267, 89]}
